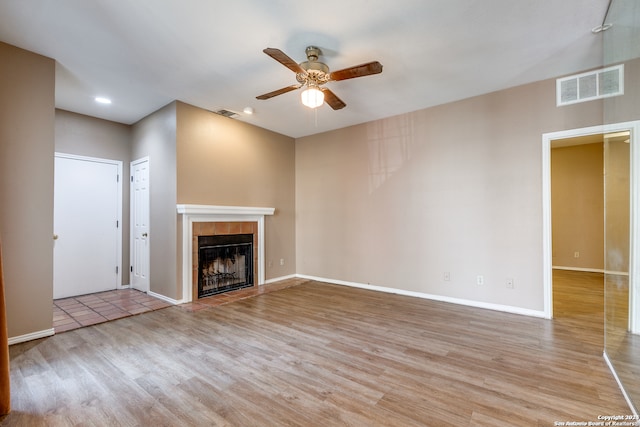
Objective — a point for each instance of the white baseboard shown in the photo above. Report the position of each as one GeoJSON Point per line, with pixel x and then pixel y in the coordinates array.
{"type": "Point", "coordinates": [277, 279]}
{"type": "Point", "coordinates": [586, 270]}
{"type": "Point", "coordinates": [624, 392]}
{"type": "Point", "coordinates": [31, 336]}
{"type": "Point", "coordinates": [164, 298]}
{"type": "Point", "coordinates": [616, 273]}
{"type": "Point", "coordinates": [459, 301]}
{"type": "Point", "coordinates": [591, 270]}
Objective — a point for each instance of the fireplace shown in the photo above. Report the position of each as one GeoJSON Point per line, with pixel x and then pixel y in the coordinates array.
{"type": "Point", "coordinates": [225, 263]}
{"type": "Point", "coordinates": [208, 220]}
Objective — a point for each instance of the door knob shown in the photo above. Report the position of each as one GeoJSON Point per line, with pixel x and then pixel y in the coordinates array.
{"type": "Point", "coordinates": [144, 234]}
{"type": "Point", "coordinates": [55, 237]}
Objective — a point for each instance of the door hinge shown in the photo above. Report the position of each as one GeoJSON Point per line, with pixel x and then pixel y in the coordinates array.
{"type": "Point", "coordinates": [132, 268]}
{"type": "Point", "coordinates": [118, 178]}
{"type": "Point", "coordinates": [117, 224]}
{"type": "Point", "coordinates": [117, 269]}
{"type": "Point", "coordinates": [131, 178]}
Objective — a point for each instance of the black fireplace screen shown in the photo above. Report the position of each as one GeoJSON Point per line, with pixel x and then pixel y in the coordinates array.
{"type": "Point", "coordinates": [225, 263]}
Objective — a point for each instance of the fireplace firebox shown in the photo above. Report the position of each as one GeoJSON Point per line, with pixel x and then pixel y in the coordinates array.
{"type": "Point", "coordinates": [225, 263]}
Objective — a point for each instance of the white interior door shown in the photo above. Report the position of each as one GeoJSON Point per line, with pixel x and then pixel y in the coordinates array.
{"type": "Point", "coordinates": [140, 224]}
{"type": "Point", "coordinates": [87, 217]}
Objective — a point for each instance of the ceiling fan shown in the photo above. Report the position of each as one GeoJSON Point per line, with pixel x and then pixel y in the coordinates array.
{"type": "Point", "coordinates": [313, 74]}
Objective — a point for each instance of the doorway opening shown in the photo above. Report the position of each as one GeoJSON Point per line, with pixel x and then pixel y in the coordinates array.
{"type": "Point", "coordinates": [548, 257]}
{"type": "Point", "coordinates": [577, 223]}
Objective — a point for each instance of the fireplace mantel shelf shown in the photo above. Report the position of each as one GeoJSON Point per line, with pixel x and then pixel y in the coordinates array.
{"type": "Point", "coordinates": [191, 214]}
{"type": "Point", "coordinates": [223, 210]}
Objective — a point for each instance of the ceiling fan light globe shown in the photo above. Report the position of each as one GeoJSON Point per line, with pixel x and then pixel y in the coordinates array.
{"type": "Point", "coordinates": [312, 97]}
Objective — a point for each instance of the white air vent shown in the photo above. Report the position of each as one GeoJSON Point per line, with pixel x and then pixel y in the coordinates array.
{"type": "Point", "coordinates": [227, 113]}
{"type": "Point", "coordinates": [591, 85]}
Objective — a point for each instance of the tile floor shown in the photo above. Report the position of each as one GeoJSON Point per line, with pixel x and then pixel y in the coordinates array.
{"type": "Point", "coordinates": [84, 310]}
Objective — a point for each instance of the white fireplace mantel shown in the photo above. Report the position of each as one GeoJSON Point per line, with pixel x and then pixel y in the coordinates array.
{"type": "Point", "coordinates": [240, 211]}
{"type": "Point", "coordinates": [211, 213]}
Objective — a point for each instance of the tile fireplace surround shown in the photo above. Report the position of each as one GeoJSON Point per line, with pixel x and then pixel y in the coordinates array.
{"type": "Point", "coordinates": [207, 219]}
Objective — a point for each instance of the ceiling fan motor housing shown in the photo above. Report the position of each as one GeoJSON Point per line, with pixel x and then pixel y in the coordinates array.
{"type": "Point", "coordinates": [317, 73]}
{"type": "Point", "coordinates": [312, 53]}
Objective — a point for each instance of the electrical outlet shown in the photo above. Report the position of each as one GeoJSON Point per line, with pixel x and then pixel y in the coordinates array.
{"type": "Point", "coordinates": [447, 276]}
{"type": "Point", "coordinates": [480, 280]}
{"type": "Point", "coordinates": [510, 283]}
{"type": "Point", "coordinates": [281, 261]}
{"type": "Point", "coordinates": [576, 254]}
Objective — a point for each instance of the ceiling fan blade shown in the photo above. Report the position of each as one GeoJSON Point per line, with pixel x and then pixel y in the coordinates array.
{"type": "Point", "coordinates": [279, 92]}
{"type": "Point", "coordinates": [358, 71]}
{"type": "Point", "coordinates": [282, 58]}
{"type": "Point", "coordinates": [331, 99]}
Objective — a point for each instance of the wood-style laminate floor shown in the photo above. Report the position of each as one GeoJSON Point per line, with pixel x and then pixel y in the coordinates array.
{"type": "Point", "coordinates": [317, 354]}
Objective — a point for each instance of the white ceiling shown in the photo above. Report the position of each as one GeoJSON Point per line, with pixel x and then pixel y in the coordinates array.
{"type": "Point", "coordinates": [143, 54]}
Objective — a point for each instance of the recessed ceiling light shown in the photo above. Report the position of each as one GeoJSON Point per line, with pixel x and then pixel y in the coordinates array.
{"type": "Point", "coordinates": [248, 110]}
{"type": "Point", "coordinates": [102, 100]}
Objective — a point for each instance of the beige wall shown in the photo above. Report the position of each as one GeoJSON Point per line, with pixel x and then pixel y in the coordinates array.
{"type": "Point", "coordinates": [456, 188]}
{"type": "Point", "coordinates": [221, 161]}
{"type": "Point", "coordinates": [577, 202]}
{"type": "Point", "coordinates": [155, 137]}
{"type": "Point", "coordinates": [26, 187]}
{"type": "Point", "coordinates": [91, 137]}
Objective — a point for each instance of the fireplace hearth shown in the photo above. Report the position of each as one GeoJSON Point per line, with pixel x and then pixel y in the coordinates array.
{"type": "Point", "coordinates": [225, 263]}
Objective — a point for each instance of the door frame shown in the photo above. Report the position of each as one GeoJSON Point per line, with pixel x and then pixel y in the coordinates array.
{"type": "Point", "coordinates": [634, 201]}
{"type": "Point", "coordinates": [118, 164]}
{"type": "Point", "coordinates": [132, 214]}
